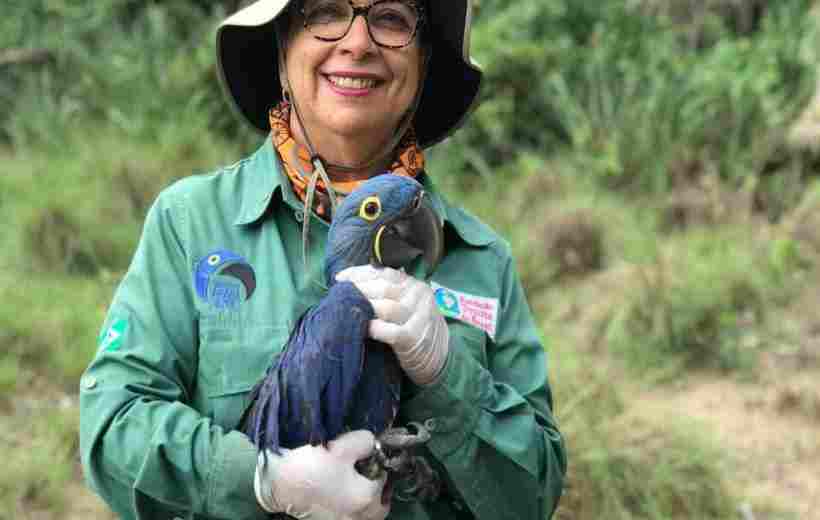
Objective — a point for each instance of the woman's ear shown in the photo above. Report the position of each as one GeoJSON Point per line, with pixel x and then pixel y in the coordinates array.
{"type": "Point", "coordinates": [282, 38]}
{"type": "Point", "coordinates": [283, 76]}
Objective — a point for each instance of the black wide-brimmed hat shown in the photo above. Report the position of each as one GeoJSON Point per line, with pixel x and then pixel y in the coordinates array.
{"type": "Point", "coordinates": [247, 59]}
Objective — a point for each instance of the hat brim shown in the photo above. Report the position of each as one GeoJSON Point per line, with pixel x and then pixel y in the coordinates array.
{"type": "Point", "coordinates": [248, 65]}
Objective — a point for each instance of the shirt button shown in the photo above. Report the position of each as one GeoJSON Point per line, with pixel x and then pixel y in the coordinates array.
{"type": "Point", "coordinates": [299, 216]}
{"type": "Point", "coordinates": [89, 382]}
{"type": "Point", "coordinates": [431, 424]}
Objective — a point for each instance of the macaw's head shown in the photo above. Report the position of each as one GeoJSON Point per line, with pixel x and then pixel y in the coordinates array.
{"type": "Point", "coordinates": [387, 221]}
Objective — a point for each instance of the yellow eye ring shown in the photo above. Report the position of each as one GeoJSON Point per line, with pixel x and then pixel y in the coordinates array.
{"type": "Point", "coordinates": [371, 208]}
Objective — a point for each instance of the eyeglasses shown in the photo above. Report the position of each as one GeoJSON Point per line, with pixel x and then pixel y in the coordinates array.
{"type": "Point", "coordinates": [391, 23]}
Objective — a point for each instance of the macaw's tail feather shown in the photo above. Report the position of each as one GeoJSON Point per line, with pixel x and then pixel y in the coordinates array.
{"type": "Point", "coordinates": [260, 422]}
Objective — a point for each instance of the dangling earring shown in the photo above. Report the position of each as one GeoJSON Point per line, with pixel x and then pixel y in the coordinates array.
{"type": "Point", "coordinates": [286, 95]}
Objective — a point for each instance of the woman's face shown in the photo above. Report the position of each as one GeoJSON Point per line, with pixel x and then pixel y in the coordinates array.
{"type": "Point", "coordinates": [351, 88]}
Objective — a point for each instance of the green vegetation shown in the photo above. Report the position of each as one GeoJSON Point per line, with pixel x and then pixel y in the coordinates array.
{"type": "Point", "coordinates": [40, 460]}
{"type": "Point", "coordinates": [632, 98]}
{"type": "Point", "coordinates": [625, 467]}
{"type": "Point", "coordinates": [701, 303]}
{"type": "Point", "coordinates": [632, 152]}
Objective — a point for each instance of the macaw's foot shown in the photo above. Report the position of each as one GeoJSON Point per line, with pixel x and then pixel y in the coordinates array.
{"type": "Point", "coordinates": [394, 446]}
{"type": "Point", "coordinates": [412, 475]}
{"type": "Point", "coordinates": [415, 478]}
{"type": "Point", "coordinates": [391, 453]}
{"type": "Point", "coordinates": [420, 482]}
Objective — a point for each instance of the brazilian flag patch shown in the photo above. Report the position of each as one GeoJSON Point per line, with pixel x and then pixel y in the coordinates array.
{"type": "Point", "coordinates": [111, 339]}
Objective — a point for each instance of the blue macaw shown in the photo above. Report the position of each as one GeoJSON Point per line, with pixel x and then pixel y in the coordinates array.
{"type": "Point", "coordinates": [330, 377]}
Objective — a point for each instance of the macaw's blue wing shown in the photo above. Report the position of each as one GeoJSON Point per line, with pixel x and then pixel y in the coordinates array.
{"type": "Point", "coordinates": [311, 393]}
{"type": "Point", "coordinates": [376, 402]}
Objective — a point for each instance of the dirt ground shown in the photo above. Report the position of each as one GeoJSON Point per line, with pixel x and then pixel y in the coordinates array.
{"type": "Point", "coordinates": [769, 429]}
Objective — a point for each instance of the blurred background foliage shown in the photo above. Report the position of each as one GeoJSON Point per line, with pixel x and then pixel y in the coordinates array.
{"type": "Point", "coordinates": [638, 155]}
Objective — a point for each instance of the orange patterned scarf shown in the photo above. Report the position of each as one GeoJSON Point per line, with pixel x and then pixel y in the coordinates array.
{"type": "Point", "coordinates": [409, 161]}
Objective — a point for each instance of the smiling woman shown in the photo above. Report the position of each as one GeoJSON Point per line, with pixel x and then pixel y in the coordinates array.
{"type": "Point", "coordinates": [348, 94]}
{"type": "Point", "coordinates": [350, 91]}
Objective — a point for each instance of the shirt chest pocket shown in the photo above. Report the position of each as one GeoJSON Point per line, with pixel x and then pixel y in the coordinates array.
{"type": "Point", "coordinates": [232, 360]}
{"type": "Point", "coordinates": [465, 336]}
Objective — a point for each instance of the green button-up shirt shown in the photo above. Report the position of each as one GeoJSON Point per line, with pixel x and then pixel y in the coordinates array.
{"type": "Point", "coordinates": [172, 376]}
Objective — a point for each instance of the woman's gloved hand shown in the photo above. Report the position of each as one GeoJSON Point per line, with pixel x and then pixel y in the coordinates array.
{"type": "Point", "coordinates": [407, 319]}
{"type": "Point", "coordinates": [308, 481]}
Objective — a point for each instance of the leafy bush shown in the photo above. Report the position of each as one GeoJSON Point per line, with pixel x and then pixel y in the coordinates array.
{"type": "Point", "coordinates": [627, 93]}
{"type": "Point", "coordinates": [133, 67]}
{"type": "Point", "coordinates": [620, 88]}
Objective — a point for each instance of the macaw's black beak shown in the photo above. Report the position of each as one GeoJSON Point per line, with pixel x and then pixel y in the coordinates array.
{"type": "Point", "coordinates": [417, 233]}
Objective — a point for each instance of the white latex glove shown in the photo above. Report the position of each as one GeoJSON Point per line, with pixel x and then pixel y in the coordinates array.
{"type": "Point", "coordinates": [407, 319]}
{"type": "Point", "coordinates": [318, 483]}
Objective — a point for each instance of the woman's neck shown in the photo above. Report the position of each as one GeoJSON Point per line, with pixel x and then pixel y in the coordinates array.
{"type": "Point", "coordinates": [343, 151]}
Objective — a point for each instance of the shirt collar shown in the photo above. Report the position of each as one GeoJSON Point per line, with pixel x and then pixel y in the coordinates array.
{"type": "Point", "coordinates": [263, 178]}
{"type": "Point", "coordinates": [468, 228]}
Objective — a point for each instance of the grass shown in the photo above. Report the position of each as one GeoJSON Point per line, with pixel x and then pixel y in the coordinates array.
{"type": "Point", "coordinates": [73, 224]}
{"type": "Point", "coordinates": [705, 302]}
{"type": "Point", "coordinates": [62, 196]}
{"type": "Point", "coordinates": [41, 455]}
{"type": "Point", "coordinates": [56, 335]}
{"type": "Point", "coordinates": [664, 300]}
{"type": "Point", "coordinates": [624, 467]}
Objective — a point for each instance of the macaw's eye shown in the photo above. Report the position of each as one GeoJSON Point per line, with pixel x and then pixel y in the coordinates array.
{"type": "Point", "coordinates": [371, 208]}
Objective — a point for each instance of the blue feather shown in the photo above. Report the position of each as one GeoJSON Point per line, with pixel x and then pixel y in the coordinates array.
{"type": "Point", "coordinates": [350, 237]}
{"type": "Point", "coordinates": [330, 378]}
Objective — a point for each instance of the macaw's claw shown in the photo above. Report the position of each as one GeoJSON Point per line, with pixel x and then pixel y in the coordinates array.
{"type": "Point", "coordinates": [404, 438]}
